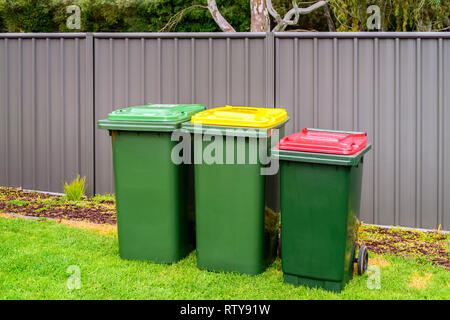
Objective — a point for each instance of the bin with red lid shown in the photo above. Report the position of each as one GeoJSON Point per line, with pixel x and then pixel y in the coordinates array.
{"type": "Point", "coordinates": [320, 177]}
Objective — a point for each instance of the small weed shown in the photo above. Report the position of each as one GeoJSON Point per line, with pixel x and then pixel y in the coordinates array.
{"type": "Point", "coordinates": [104, 197]}
{"type": "Point", "coordinates": [76, 189]}
{"type": "Point", "coordinates": [18, 202]}
{"type": "Point", "coordinates": [45, 208]}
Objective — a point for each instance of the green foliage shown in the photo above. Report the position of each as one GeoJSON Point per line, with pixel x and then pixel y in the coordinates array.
{"type": "Point", "coordinates": [396, 15]}
{"type": "Point", "coordinates": [96, 15]}
{"type": "Point", "coordinates": [18, 202]}
{"type": "Point", "coordinates": [76, 189]}
{"type": "Point", "coordinates": [118, 15]}
{"type": "Point", "coordinates": [103, 197]}
{"type": "Point", "coordinates": [153, 15]}
{"type": "Point", "coordinates": [2, 25]}
{"type": "Point", "coordinates": [28, 15]}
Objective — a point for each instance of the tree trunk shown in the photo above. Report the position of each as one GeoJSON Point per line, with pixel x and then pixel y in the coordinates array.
{"type": "Point", "coordinates": [259, 16]}
{"type": "Point", "coordinates": [218, 18]}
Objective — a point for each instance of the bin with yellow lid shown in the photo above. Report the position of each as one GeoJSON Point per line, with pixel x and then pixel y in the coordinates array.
{"type": "Point", "coordinates": [236, 223]}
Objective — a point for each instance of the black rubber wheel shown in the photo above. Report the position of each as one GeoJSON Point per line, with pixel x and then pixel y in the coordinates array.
{"type": "Point", "coordinates": [363, 260]}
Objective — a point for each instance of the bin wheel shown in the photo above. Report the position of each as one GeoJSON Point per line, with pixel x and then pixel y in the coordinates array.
{"type": "Point", "coordinates": [363, 260]}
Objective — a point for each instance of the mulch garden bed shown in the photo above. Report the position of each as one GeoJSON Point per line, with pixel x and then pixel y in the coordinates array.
{"type": "Point", "coordinates": [36, 204]}
{"type": "Point", "coordinates": [430, 246]}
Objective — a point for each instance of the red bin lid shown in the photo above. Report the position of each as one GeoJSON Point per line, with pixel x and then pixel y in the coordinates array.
{"type": "Point", "coordinates": [335, 142]}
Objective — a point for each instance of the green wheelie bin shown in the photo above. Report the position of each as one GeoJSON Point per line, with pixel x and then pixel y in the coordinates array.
{"type": "Point", "coordinates": [320, 180]}
{"type": "Point", "coordinates": [236, 227]}
{"type": "Point", "coordinates": [154, 195]}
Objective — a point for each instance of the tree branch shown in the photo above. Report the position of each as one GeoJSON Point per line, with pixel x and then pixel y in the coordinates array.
{"type": "Point", "coordinates": [292, 16]}
{"type": "Point", "coordinates": [331, 26]}
{"type": "Point", "coordinates": [273, 12]}
{"type": "Point", "coordinates": [178, 16]}
{"type": "Point", "coordinates": [218, 18]}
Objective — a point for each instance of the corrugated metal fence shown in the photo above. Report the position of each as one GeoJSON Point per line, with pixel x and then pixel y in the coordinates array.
{"type": "Point", "coordinates": [46, 110]}
{"type": "Point", "coordinates": [396, 86]}
{"type": "Point", "coordinates": [212, 69]}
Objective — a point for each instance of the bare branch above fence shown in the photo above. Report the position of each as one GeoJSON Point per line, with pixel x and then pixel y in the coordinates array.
{"type": "Point", "coordinates": [218, 18]}
{"type": "Point", "coordinates": [292, 16]}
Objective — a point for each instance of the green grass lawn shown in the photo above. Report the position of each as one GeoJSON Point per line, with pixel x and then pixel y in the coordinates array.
{"type": "Point", "coordinates": [35, 256]}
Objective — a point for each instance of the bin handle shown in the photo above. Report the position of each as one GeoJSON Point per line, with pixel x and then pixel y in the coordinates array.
{"type": "Point", "coordinates": [337, 131]}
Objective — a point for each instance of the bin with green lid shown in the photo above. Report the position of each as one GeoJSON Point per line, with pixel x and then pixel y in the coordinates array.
{"type": "Point", "coordinates": [154, 195]}
{"type": "Point", "coordinates": [236, 228]}
{"type": "Point", "coordinates": [321, 173]}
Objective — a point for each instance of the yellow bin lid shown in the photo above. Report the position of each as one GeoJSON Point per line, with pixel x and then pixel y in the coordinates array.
{"type": "Point", "coordinates": [241, 117]}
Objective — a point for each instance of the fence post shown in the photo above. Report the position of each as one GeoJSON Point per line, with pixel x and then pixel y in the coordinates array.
{"type": "Point", "coordinates": [270, 70]}
{"type": "Point", "coordinates": [88, 119]}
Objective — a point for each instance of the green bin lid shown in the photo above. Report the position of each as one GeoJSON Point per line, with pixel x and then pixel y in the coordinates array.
{"type": "Point", "coordinates": [157, 112]}
{"type": "Point", "coordinates": [151, 117]}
